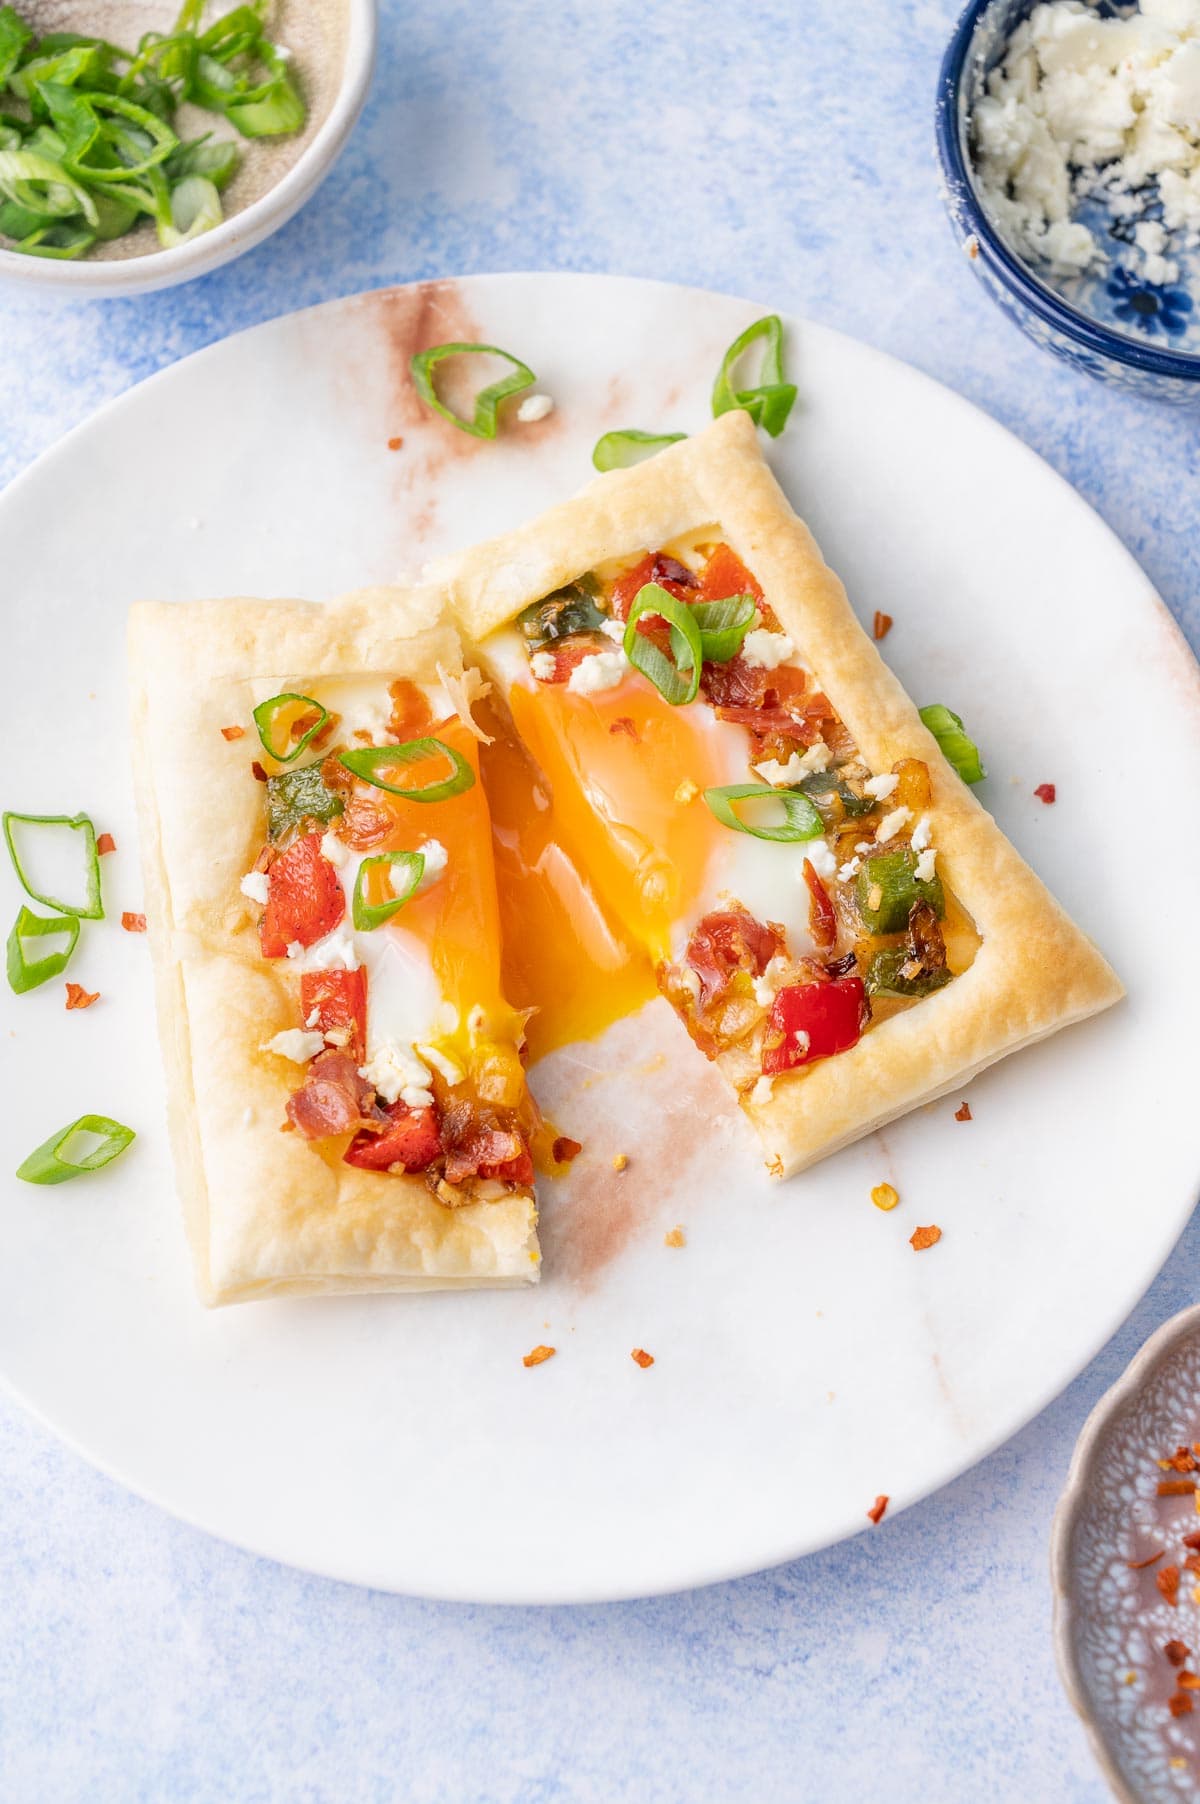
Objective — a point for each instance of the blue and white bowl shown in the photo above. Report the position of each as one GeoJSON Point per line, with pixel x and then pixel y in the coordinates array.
{"type": "Point", "coordinates": [1111, 323]}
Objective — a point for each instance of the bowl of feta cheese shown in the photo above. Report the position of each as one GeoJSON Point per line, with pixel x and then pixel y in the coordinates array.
{"type": "Point", "coordinates": [1069, 135]}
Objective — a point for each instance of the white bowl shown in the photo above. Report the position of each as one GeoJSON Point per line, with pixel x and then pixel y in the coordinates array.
{"type": "Point", "coordinates": [244, 229]}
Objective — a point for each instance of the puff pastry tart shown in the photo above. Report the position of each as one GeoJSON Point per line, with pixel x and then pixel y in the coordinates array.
{"type": "Point", "coordinates": [346, 1094]}
{"type": "Point", "coordinates": [754, 803]}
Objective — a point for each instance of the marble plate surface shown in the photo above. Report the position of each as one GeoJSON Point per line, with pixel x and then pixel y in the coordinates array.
{"type": "Point", "coordinates": [806, 1358]}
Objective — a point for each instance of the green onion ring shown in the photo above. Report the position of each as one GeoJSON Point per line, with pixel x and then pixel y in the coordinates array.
{"type": "Point", "coordinates": [678, 682]}
{"type": "Point", "coordinates": [26, 974]}
{"type": "Point", "coordinates": [265, 716]}
{"type": "Point", "coordinates": [368, 915]}
{"type": "Point", "coordinates": [800, 818]}
{"type": "Point", "coordinates": [20, 168]}
{"type": "Point", "coordinates": [723, 625]}
{"type": "Point", "coordinates": [365, 761]}
{"type": "Point", "coordinates": [483, 424]}
{"type": "Point", "coordinates": [49, 1164]}
{"type": "Point", "coordinates": [617, 450]}
{"type": "Point", "coordinates": [78, 823]}
{"type": "Point", "coordinates": [957, 746]}
{"type": "Point", "coordinates": [772, 400]}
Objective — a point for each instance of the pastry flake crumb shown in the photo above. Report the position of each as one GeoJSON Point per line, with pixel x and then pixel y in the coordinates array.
{"type": "Point", "coordinates": [565, 1149]}
{"type": "Point", "coordinates": [1046, 792]}
{"type": "Point", "coordinates": [640, 1357]}
{"type": "Point", "coordinates": [885, 1196]}
{"type": "Point", "coordinates": [105, 843]}
{"type": "Point", "coordinates": [963, 1112]}
{"type": "Point", "coordinates": [78, 997]}
{"type": "Point", "coordinates": [687, 792]}
{"type": "Point", "coordinates": [675, 1237]}
{"type": "Point", "coordinates": [133, 923]}
{"type": "Point", "coordinates": [539, 1356]}
{"type": "Point", "coordinates": [1129, 1678]}
{"type": "Point", "coordinates": [233, 732]}
{"type": "Point", "coordinates": [875, 1513]}
{"type": "Point", "coordinates": [924, 1237]}
{"type": "Point", "coordinates": [775, 1166]}
{"type": "Point", "coordinates": [881, 626]}
{"type": "Point", "coordinates": [620, 1161]}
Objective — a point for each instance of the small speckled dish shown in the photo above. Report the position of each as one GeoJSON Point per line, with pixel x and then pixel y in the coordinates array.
{"type": "Point", "coordinates": [1111, 1619]}
{"type": "Point", "coordinates": [1112, 325]}
{"type": "Point", "coordinates": [333, 44]}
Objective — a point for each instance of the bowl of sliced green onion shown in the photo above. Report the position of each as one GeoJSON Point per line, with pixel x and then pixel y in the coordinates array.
{"type": "Point", "coordinates": [144, 144]}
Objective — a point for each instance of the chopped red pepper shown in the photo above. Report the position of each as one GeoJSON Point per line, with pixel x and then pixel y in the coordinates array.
{"type": "Point", "coordinates": [565, 1149]}
{"type": "Point", "coordinates": [1045, 792]}
{"type": "Point", "coordinates": [813, 1021]}
{"type": "Point", "coordinates": [105, 843]}
{"type": "Point", "coordinates": [233, 732]}
{"type": "Point", "coordinates": [655, 567]}
{"type": "Point", "coordinates": [725, 575]}
{"type": "Point", "coordinates": [1167, 1580]}
{"type": "Point", "coordinates": [412, 1140]}
{"type": "Point", "coordinates": [822, 921]}
{"type": "Point", "coordinates": [304, 898]}
{"type": "Point", "coordinates": [881, 625]}
{"type": "Point", "coordinates": [133, 923]}
{"type": "Point", "coordinates": [78, 997]}
{"type": "Point", "coordinates": [875, 1513]}
{"type": "Point", "coordinates": [338, 999]}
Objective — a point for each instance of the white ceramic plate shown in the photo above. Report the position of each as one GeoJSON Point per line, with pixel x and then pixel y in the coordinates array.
{"type": "Point", "coordinates": [807, 1359]}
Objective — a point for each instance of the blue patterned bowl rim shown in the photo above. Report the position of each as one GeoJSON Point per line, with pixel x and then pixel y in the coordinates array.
{"type": "Point", "coordinates": [1016, 276]}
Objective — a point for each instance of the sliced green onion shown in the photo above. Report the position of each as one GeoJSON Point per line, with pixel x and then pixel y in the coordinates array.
{"type": "Point", "coordinates": [267, 714]}
{"type": "Point", "coordinates": [59, 240]}
{"type": "Point", "coordinates": [958, 748]}
{"type": "Point", "coordinates": [52, 1162]}
{"type": "Point", "coordinates": [368, 760]}
{"type": "Point", "coordinates": [26, 973]}
{"type": "Point", "coordinates": [146, 126]}
{"type": "Point", "coordinates": [409, 866]}
{"type": "Point", "coordinates": [83, 57]}
{"type": "Point", "coordinates": [195, 209]}
{"type": "Point", "coordinates": [300, 795]}
{"type": "Point", "coordinates": [217, 159]}
{"type": "Point", "coordinates": [677, 681]}
{"type": "Point", "coordinates": [771, 401]}
{"type": "Point", "coordinates": [93, 908]}
{"type": "Point", "coordinates": [272, 114]}
{"type": "Point", "coordinates": [800, 818]}
{"type": "Point", "coordinates": [14, 36]}
{"type": "Point", "coordinates": [487, 401]}
{"type": "Point", "coordinates": [35, 182]}
{"type": "Point", "coordinates": [617, 450]}
{"type": "Point", "coordinates": [723, 625]}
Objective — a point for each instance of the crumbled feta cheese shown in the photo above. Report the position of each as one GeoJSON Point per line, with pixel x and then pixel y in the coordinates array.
{"type": "Point", "coordinates": [370, 717]}
{"type": "Point", "coordinates": [334, 953]}
{"type": "Point", "coordinates": [798, 766]}
{"type": "Point", "coordinates": [921, 834]}
{"type": "Point", "coordinates": [923, 870]}
{"type": "Point", "coordinates": [477, 1021]}
{"type": "Point", "coordinates": [615, 630]}
{"type": "Point", "coordinates": [334, 849]}
{"type": "Point", "coordinates": [891, 824]}
{"type": "Point", "coordinates": [314, 1019]}
{"type": "Point", "coordinates": [436, 859]}
{"type": "Point", "coordinates": [761, 1092]}
{"type": "Point", "coordinates": [447, 1068]}
{"type": "Point", "coordinates": [398, 1075]}
{"type": "Point", "coordinates": [800, 1040]}
{"type": "Point", "coordinates": [767, 650]}
{"type": "Point", "coordinates": [254, 885]}
{"type": "Point", "coordinates": [768, 986]}
{"type": "Point", "coordinates": [543, 665]}
{"type": "Point", "coordinates": [848, 871]}
{"type": "Point", "coordinates": [600, 670]}
{"type": "Point", "coordinates": [881, 787]}
{"type": "Point", "coordinates": [818, 854]}
{"type": "Point", "coordinates": [295, 949]}
{"type": "Point", "coordinates": [863, 845]}
{"type": "Point", "coordinates": [293, 1043]}
{"type": "Point", "coordinates": [534, 407]}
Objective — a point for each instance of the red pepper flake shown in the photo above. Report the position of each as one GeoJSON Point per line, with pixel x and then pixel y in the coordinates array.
{"type": "Point", "coordinates": [233, 732]}
{"type": "Point", "coordinates": [640, 1357]}
{"type": "Point", "coordinates": [1045, 792]}
{"type": "Point", "coordinates": [1176, 1487]}
{"type": "Point", "coordinates": [257, 772]}
{"type": "Point", "coordinates": [1140, 1565]}
{"type": "Point", "coordinates": [963, 1112]}
{"type": "Point", "coordinates": [875, 1513]}
{"type": "Point", "coordinates": [1192, 1541]}
{"type": "Point", "coordinates": [133, 923]}
{"type": "Point", "coordinates": [78, 997]}
{"type": "Point", "coordinates": [105, 843]}
{"type": "Point", "coordinates": [1183, 1461]}
{"type": "Point", "coordinates": [394, 444]}
{"type": "Point", "coordinates": [539, 1356]}
{"type": "Point", "coordinates": [1177, 1652]}
{"type": "Point", "coordinates": [1168, 1583]}
{"type": "Point", "coordinates": [881, 626]}
{"type": "Point", "coordinates": [924, 1237]}
{"type": "Point", "coordinates": [565, 1149]}
{"type": "Point", "coordinates": [623, 724]}
{"type": "Point", "coordinates": [1180, 1704]}
{"type": "Point", "coordinates": [1192, 1564]}
{"type": "Point", "coordinates": [1188, 1681]}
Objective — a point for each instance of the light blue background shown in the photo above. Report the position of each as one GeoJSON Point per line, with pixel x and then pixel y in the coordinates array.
{"type": "Point", "coordinates": [782, 152]}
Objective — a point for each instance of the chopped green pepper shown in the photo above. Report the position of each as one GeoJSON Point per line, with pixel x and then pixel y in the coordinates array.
{"type": "Point", "coordinates": [557, 616]}
{"type": "Point", "coordinates": [834, 798]}
{"type": "Point", "coordinates": [297, 795]}
{"type": "Point", "coordinates": [26, 974]}
{"type": "Point", "coordinates": [888, 886]}
{"type": "Point", "coordinates": [886, 974]}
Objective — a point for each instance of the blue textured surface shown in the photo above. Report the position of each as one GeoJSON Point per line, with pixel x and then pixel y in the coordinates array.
{"type": "Point", "coordinates": [784, 152]}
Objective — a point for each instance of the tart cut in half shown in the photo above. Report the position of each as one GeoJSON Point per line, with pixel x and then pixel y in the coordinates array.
{"type": "Point", "coordinates": [346, 1090]}
{"type": "Point", "coordinates": [706, 782]}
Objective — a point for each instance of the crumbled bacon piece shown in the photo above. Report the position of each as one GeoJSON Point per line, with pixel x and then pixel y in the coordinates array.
{"type": "Point", "coordinates": [333, 1099]}
{"type": "Point", "coordinates": [539, 1356]}
{"type": "Point", "coordinates": [1150, 1560]}
{"type": "Point", "coordinates": [476, 1144]}
{"type": "Point", "coordinates": [1167, 1581]}
{"type": "Point", "coordinates": [963, 1112]}
{"type": "Point", "coordinates": [78, 997]}
{"type": "Point", "coordinates": [1177, 1652]}
{"type": "Point", "coordinates": [1045, 792]}
{"type": "Point", "coordinates": [565, 1149]}
{"type": "Point", "coordinates": [727, 941]}
{"type": "Point", "coordinates": [924, 1237]}
{"type": "Point", "coordinates": [105, 843]}
{"type": "Point", "coordinates": [133, 923]}
{"type": "Point", "coordinates": [623, 724]}
{"type": "Point", "coordinates": [1192, 1541]}
{"type": "Point", "coordinates": [875, 1513]}
{"type": "Point", "coordinates": [233, 732]}
{"type": "Point", "coordinates": [640, 1357]}
{"type": "Point", "coordinates": [257, 771]}
{"type": "Point", "coordinates": [881, 626]}
{"type": "Point", "coordinates": [822, 921]}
